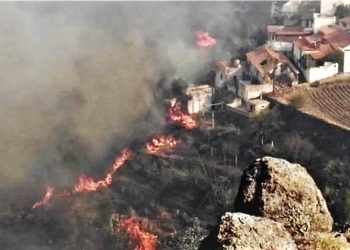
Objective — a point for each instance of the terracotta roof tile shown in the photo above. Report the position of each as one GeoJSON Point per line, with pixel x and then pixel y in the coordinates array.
{"type": "Point", "coordinates": [265, 54]}
{"type": "Point", "coordinates": [283, 30]}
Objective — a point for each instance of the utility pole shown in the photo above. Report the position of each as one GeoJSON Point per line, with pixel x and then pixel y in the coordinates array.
{"type": "Point", "coordinates": [213, 119]}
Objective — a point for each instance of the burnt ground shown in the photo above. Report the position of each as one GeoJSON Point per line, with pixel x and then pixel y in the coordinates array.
{"type": "Point", "coordinates": [168, 190]}
{"type": "Point", "coordinates": [181, 193]}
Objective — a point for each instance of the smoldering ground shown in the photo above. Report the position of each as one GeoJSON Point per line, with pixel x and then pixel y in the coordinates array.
{"type": "Point", "coordinates": [77, 80]}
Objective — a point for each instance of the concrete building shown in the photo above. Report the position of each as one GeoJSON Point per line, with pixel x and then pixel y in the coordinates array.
{"type": "Point", "coordinates": [248, 91]}
{"type": "Point", "coordinates": [249, 101]}
{"type": "Point", "coordinates": [199, 98]}
{"type": "Point", "coordinates": [339, 40]}
{"type": "Point", "coordinates": [280, 38]}
{"type": "Point", "coordinates": [320, 20]}
{"type": "Point", "coordinates": [228, 73]}
{"type": "Point", "coordinates": [267, 65]}
{"type": "Point", "coordinates": [257, 106]}
{"type": "Point", "coordinates": [315, 57]}
{"type": "Point", "coordinates": [323, 54]}
{"type": "Point", "coordinates": [328, 7]}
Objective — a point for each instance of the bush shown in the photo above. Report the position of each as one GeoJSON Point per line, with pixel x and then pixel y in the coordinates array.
{"type": "Point", "coordinates": [315, 84]}
{"type": "Point", "coordinates": [297, 101]}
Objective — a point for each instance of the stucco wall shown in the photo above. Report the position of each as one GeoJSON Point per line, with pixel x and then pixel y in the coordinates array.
{"type": "Point", "coordinates": [320, 21]}
{"type": "Point", "coordinates": [315, 74]}
{"type": "Point", "coordinates": [200, 98]}
{"type": "Point", "coordinates": [280, 46]}
{"type": "Point", "coordinates": [251, 91]}
{"type": "Point", "coordinates": [346, 65]}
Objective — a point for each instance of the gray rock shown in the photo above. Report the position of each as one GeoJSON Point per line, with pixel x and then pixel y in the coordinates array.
{"type": "Point", "coordinates": [284, 192]}
{"type": "Point", "coordinates": [245, 232]}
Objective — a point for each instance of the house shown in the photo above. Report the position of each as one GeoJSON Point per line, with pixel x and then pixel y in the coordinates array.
{"type": "Point", "coordinates": [248, 91]}
{"type": "Point", "coordinates": [315, 57]}
{"type": "Point", "coordinates": [328, 7]}
{"type": "Point", "coordinates": [280, 38]}
{"type": "Point", "coordinates": [257, 106]}
{"type": "Point", "coordinates": [339, 40]}
{"type": "Point", "coordinates": [199, 98]}
{"type": "Point", "coordinates": [320, 20]}
{"type": "Point", "coordinates": [249, 108]}
{"type": "Point", "coordinates": [228, 72]}
{"type": "Point", "coordinates": [267, 65]}
{"type": "Point", "coordinates": [249, 101]}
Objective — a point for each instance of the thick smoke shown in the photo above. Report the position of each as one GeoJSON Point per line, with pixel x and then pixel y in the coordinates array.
{"type": "Point", "coordinates": [75, 77]}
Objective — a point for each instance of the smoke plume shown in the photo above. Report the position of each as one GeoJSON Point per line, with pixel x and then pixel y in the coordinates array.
{"type": "Point", "coordinates": [77, 78]}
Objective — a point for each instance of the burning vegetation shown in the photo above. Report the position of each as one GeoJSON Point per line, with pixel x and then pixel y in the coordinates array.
{"type": "Point", "coordinates": [144, 240]}
{"type": "Point", "coordinates": [86, 183]}
{"type": "Point", "coordinates": [177, 115]}
{"type": "Point", "coordinates": [204, 40]}
{"type": "Point", "coordinates": [155, 145]}
{"type": "Point", "coordinates": [159, 143]}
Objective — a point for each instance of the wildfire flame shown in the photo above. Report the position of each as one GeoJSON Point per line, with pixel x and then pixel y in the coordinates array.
{"type": "Point", "coordinates": [46, 199]}
{"type": "Point", "coordinates": [175, 114]}
{"type": "Point", "coordinates": [86, 183]}
{"type": "Point", "coordinates": [145, 240]}
{"type": "Point", "coordinates": [204, 40]}
{"type": "Point", "coordinates": [159, 143]}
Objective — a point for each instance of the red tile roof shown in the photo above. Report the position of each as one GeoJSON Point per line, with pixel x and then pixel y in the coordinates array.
{"type": "Point", "coordinates": [264, 53]}
{"type": "Point", "coordinates": [337, 37]}
{"type": "Point", "coordinates": [314, 47]}
{"type": "Point", "coordinates": [283, 30]}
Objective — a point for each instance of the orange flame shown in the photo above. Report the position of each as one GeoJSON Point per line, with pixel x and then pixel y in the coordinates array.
{"type": "Point", "coordinates": [46, 199]}
{"type": "Point", "coordinates": [159, 143]}
{"type": "Point", "coordinates": [175, 114]}
{"type": "Point", "coordinates": [204, 40]}
{"type": "Point", "coordinates": [145, 240]}
{"type": "Point", "coordinates": [86, 183]}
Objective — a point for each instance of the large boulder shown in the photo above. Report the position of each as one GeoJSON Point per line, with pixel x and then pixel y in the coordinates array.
{"type": "Point", "coordinates": [322, 241]}
{"type": "Point", "coordinates": [242, 232]}
{"type": "Point", "coordinates": [284, 192]}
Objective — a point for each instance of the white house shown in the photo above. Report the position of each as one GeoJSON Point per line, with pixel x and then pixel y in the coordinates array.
{"type": "Point", "coordinates": [199, 98]}
{"type": "Point", "coordinates": [248, 91]}
{"type": "Point", "coordinates": [280, 38]}
{"type": "Point", "coordinates": [328, 7]}
{"type": "Point", "coordinates": [315, 57]}
{"type": "Point", "coordinates": [320, 20]}
{"type": "Point", "coordinates": [339, 40]}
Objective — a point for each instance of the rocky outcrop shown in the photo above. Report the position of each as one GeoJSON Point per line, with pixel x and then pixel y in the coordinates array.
{"type": "Point", "coordinates": [284, 192]}
{"type": "Point", "coordinates": [286, 211]}
{"type": "Point", "coordinates": [322, 241]}
{"type": "Point", "coordinates": [242, 232]}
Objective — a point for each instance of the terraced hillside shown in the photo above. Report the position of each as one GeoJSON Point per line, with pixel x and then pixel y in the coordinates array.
{"type": "Point", "coordinates": [333, 102]}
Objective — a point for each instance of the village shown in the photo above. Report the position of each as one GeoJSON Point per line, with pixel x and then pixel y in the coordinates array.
{"type": "Point", "coordinates": [308, 43]}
